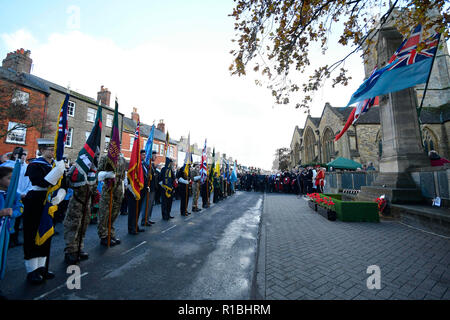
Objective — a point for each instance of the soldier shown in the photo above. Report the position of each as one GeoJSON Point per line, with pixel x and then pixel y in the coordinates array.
{"type": "Point", "coordinates": [195, 177]}
{"type": "Point", "coordinates": [112, 181]}
{"type": "Point", "coordinates": [42, 176]}
{"type": "Point", "coordinates": [183, 189]}
{"type": "Point", "coordinates": [151, 195]}
{"type": "Point", "coordinates": [166, 181]}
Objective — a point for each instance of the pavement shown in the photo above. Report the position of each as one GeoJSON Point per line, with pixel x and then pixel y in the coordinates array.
{"type": "Point", "coordinates": [303, 256]}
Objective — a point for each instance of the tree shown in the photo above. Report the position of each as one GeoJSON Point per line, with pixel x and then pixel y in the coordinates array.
{"type": "Point", "coordinates": [282, 159]}
{"type": "Point", "coordinates": [18, 108]}
{"type": "Point", "coordinates": [279, 36]}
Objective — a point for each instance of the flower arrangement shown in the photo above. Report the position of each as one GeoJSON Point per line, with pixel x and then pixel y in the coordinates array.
{"type": "Point", "coordinates": [326, 202]}
{"type": "Point", "coordinates": [381, 201]}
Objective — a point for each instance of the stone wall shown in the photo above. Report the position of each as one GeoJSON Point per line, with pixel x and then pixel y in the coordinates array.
{"type": "Point", "coordinates": [367, 144]}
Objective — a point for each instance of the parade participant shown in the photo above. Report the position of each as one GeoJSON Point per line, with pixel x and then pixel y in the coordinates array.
{"type": "Point", "coordinates": [113, 184]}
{"type": "Point", "coordinates": [134, 205]}
{"type": "Point", "coordinates": [42, 175]}
{"type": "Point", "coordinates": [166, 181]}
{"type": "Point", "coordinates": [195, 178]}
{"type": "Point", "coordinates": [148, 203]}
{"type": "Point", "coordinates": [158, 192]}
{"type": "Point", "coordinates": [183, 188]}
{"type": "Point", "coordinates": [23, 187]}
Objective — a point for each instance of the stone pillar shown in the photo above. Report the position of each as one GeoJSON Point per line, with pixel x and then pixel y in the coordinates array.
{"type": "Point", "coordinates": [402, 146]}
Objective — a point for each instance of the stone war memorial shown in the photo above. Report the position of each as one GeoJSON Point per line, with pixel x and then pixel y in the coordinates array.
{"type": "Point", "coordinates": [410, 123]}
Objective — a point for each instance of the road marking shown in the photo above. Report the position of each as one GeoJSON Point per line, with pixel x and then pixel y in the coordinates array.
{"type": "Point", "coordinates": [424, 230]}
{"type": "Point", "coordinates": [57, 288]}
{"type": "Point", "coordinates": [169, 228]}
{"type": "Point", "coordinates": [140, 244]}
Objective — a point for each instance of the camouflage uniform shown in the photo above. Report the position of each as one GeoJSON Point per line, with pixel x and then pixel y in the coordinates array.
{"type": "Point", "coordinates": [103, 223]}
{"type": "Point", "coordinates": [73, 226]}
{"type": "Point", "coordinates": [195, 186]}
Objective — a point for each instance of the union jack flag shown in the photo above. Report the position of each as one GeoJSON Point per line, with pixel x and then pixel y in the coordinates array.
{"type": "Point", "coordinates": [407, 53]}
{"type": "Point", "coordinates": [203, 166]}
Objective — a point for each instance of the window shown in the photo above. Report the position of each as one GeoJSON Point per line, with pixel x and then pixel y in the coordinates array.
{"type": "Point", "coordinates": [161, 150]}
{"type": "Point", "coordinates": [21, 98]}
{"type": "Point", "coordinates": [328, 145]}
{"type": "Point", "coordinates": [90, 115]}
{"type": "Point", "coordinates": [109, 120]}
{"type": "Point", "coordinates": [69, 137]}
{"type": "Point", "coordinates": [429, 140]}
{"type": "Point", "coordinates": [71, 109]}
{"type": "Point", "coordinates": [171, 152]}
{"type": "Point", "coordinates": [16, 133]}
{"type": "Point", "coordinates": [131, 143]}
{"type": "Point", "coordinates": [107, 139]}
{"type": "Point", "coordinates": [155, 147]}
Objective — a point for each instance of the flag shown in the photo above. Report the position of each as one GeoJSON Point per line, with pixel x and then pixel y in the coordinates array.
{"type": "Point", "coordinates": [114, 143]}
{"type": "Point", "coordinates": [234, 174]}
{"type": "Point", "coordinates": [135, 173]}
{"type": "Point", "coordinates": [203, 165]}
{"type": "Point", "coordinates": [6, 223]}
{"type": "Point", "coordinates": [166, 145]}
{"type": "Point", "coordinates": [46, 230]}
{"type": "Point", "coordinates": [227, 171]}
{"type": "Point", "coordinates": [187, 159]}
{"type": "Point", "coordinates": [211, 172]}
{"type": "Point", "coordinates": [85, 170]}
{"type": "Point", "coordinates": [149, 147]}
{"type": "Point", "coordinates": [407, 67]}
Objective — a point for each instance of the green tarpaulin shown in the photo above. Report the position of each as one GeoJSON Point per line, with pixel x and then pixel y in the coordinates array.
{"type": "Point", "coordinates": [344, 163]}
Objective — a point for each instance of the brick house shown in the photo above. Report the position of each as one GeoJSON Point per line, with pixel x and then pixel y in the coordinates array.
{"type": "Point", "coordinates": [49, 96]}
{"type": "Point", "coordinates": [129, 126]}
{"type": "Point", "coordinates": [17, 87]}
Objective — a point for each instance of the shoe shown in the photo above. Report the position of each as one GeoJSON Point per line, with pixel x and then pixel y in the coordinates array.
{"type": "Point", "coordinates": [47, 275]}
{"type": "Point", "coordinates": [104, 242]}
{"type": "Point", "coordinates": [198, 209]}
{"type": "Point", "coordinates": [140, 230]}
{"type": "Point", "coordinates": [148, 224]}
{"type": "Point", "coordinates": [133, 232]}
{"type": "Point", "coordinates": [71, 258]}
{"type": "Point", "coordinates": [171, 217]}
{"type": "Point", "coordinates": [188, 212]}
{"type": "Point", "coordinates": [116, 241]}
{"type": "Point", "coordinates": [35, 277]}
{"type": "Point", "coordinates": [152, 222]}
{"type": "Point", "coordinates": [84, 255]}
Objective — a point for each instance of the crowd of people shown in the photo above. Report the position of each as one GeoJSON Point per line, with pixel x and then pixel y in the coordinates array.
{"type": "Point", "coordinates": [100, 202]}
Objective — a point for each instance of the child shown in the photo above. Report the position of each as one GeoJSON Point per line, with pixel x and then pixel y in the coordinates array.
{"type": "Point", "coordinates": [7, 216]}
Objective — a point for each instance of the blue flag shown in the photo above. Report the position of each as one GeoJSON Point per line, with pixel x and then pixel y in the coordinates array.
{"type": "Point", "coordinates": [407, 68]}
{"type": "Point", "coordinates": [149, 146]}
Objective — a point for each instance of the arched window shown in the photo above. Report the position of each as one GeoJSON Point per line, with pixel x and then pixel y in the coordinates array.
{"type": "Point", "coordinates": [429, 140]}
{"type": "Point", "coordinates": [328, 145]}
{"type": "Point", "coordinates": [310, 141]}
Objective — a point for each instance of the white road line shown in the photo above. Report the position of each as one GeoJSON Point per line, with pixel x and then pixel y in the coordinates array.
{"type": "Point", "coordinates": [169, 228]}
{"type": "Point", "coordinates": [57, 288]}
{"type": "Point", "coordinates": [140, 244]}
{"type": "Point", "coordinates": [439, 235]}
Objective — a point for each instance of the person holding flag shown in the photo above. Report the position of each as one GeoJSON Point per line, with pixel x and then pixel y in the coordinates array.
{"type": "Point", "coordinates": [111, 170]}
{"type": "Point", "coordinates": [136, 182]}
{"type": "Point", "coordinates": [82, 179]}
{"type": "Point", "coordinates": [204, 177]}
{"type": "Point", "coordinates": [167, 182]}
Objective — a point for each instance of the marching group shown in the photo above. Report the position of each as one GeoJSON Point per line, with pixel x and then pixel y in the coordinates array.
{"type": "Point", "coordinates": [100, 202]}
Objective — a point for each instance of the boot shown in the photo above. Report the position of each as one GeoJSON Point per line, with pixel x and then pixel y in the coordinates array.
{"type": "Point", "coordinates": [47, 275]}
{"type": "Point", "coordinates": [71, 258]}
{"type": "Point", "coordinates": [35, 277]}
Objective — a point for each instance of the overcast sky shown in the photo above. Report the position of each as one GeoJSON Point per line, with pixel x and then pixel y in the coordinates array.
{"type": "Point", "coordinates": [170, 60]}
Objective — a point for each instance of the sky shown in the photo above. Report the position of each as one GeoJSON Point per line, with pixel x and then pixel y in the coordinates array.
{"type": "Point", "coordinates": [169, 59]}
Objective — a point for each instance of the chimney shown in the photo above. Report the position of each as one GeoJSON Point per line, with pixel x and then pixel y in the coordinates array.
{"type": "Point", "coordinates": [19, 61]}
{"type": "Point", "coordinates": [135, 115]}
{"type": "Point", "coordinates": [104, 96]}
{"type": "Point", "coordinates": [161, 126]}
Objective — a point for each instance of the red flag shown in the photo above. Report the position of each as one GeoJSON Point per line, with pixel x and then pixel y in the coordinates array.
{"type": "Point", "coordinates": [135, 173]}
{"type": "Point", "coordinates": [350, 119]}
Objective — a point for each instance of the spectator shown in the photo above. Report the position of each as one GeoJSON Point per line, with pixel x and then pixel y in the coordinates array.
{"type": "Point", "coordinates": [371, 167]}
{"type": "Point", "coordinates": [436, 160]}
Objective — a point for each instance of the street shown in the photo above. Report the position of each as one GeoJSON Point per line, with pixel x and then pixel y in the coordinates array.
{"type": "Point", "coordinates": [207, 255]}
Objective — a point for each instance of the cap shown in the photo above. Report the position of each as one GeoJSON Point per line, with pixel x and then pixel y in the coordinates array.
{"type": "Point", "coordinates": [154, 152]}
{"type": "Point", "coordinates": [45, 143]}
{"type": "Point", "coordinates": [143, 150]}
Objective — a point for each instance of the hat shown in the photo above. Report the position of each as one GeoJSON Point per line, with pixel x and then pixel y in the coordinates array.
{"type": "Point", "coordinates": [154, 152]}
{"type": "Point", "coordinates": [142, 150]}
{"type": "Point", "coordinates": [43, 143]}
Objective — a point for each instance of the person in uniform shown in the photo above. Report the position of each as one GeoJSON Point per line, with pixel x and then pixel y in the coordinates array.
{"type": "Point", "coordinates": [112, 181]}
{"type": "Point", "coordinates": [166, 181]}
{"type": "Point", "coordinates": [78, 212]}
{"type": "Point", "coordinates": [42, 176]}
{"type": "Point", "coordinates": [183, 189]}
{"type": "Point", "coordinates": [195, 178]}
{"type": "Point", "coordinates": [151, 194]}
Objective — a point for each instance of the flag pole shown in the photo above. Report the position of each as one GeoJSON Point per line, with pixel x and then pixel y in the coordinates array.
{"type": "Point", "coordinates": [419, 109]}
{"type": "Point", "coordinates": [137, 213]}
{"type": "Point", "coordinates": [148, 190]}
{"type": "Point", "coordinates": [110, 213]}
